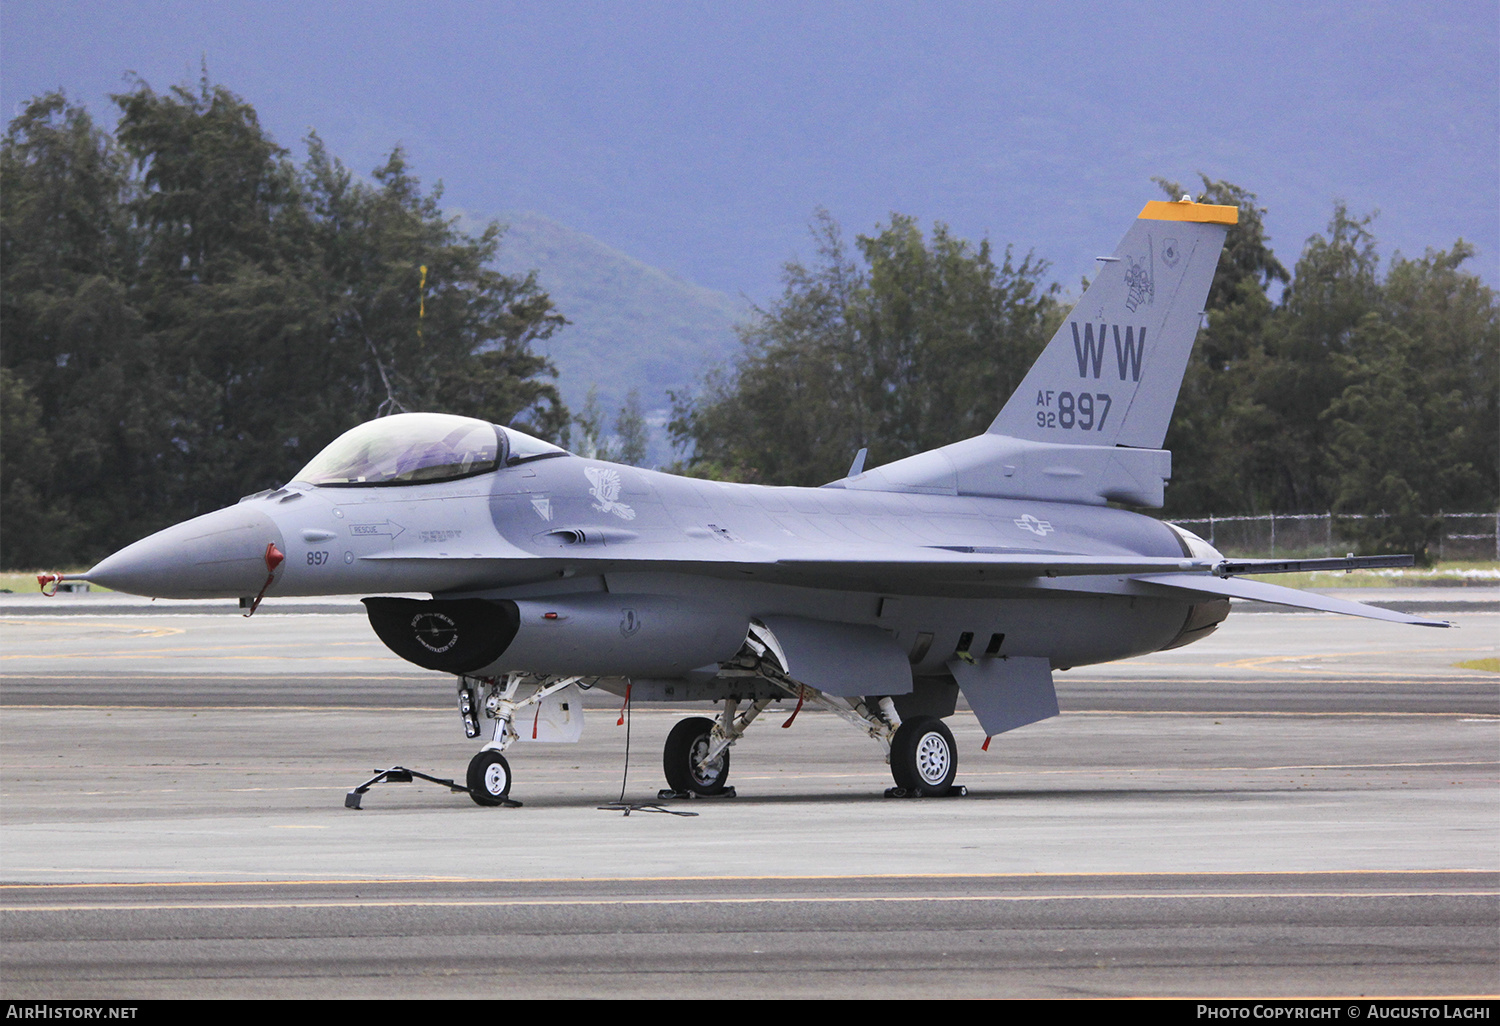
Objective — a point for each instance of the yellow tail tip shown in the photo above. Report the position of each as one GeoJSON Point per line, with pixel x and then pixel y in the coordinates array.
{"type": "Point", "coordinates": [1186, 210]}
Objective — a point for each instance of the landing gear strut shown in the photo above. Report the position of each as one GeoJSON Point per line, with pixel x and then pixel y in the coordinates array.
{"type": "Point", "coordinates": [921, 752]}
{"type": "Point", "coordinates": [489, 773]}
{"type": "Point", "coordinates": [696, 755]}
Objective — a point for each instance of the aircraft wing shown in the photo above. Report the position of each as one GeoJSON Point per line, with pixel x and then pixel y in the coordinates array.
{"type": "Point", "coordinates": [1278, 595]}
{"type": "Point", "coordinates": [884, 568]}
{"type": "Point", "coordinates": [881, 568]}
{"type": "Point", "coordinates": [927, 565]}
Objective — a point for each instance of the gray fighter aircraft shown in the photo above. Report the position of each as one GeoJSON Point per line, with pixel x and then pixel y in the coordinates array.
{"type": "Point", "coordinates": [977, 568]}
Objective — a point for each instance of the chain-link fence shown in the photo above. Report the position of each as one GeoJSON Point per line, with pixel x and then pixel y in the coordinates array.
{"type": "Point", "coordinates": [1305, 535]}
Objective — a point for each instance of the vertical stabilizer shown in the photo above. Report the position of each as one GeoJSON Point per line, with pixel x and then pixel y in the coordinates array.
{"type": "Point", "coordinates": [1111, 374]}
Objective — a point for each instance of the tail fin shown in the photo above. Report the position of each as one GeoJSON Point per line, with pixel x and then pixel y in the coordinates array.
{"type": "Point", "coordinates": [1087, 423]}
{"type": "Point", "coordinates": [1111, 374]}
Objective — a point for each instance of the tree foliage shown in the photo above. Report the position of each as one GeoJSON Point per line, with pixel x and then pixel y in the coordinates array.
{"type": "Point", "coordinates": [1213, 414]}
{"type": "Point", "coordinates": [1358, 392]}
{"type": "Point", "coordinates": [909, 345]}
{"type": "Point", "coordinates": [1414, 430]}
{"type": "Point", "coordinates": [189, 315]}
{"type": "Point", "coordinates": [588, 436]}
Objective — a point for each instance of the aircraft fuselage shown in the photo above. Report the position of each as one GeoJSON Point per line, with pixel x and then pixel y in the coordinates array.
{"type": "Point", "coordinates": [676, 567]}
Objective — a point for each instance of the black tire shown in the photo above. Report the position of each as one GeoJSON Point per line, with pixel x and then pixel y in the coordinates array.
{"type": "Point", "coordinates": [924, 759]}
{"type": "Point", "coordinates": [685, 746]}
{"type": "Point", "coordinates": [489, 778]}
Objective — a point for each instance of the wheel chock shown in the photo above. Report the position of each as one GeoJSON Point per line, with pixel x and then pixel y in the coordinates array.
{"type": "Point", "coordinates": [666, 793]}
{"type": "Point", "coordinates": [954, 791]}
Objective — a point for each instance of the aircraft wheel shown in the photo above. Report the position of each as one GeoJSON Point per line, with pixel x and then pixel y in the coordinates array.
{"type": "Point", "coordinates": [924, 758]}
{"type": "Point", "coordinates": [686, 744]}
{"type": "Point", "coordinates": [489, 778]}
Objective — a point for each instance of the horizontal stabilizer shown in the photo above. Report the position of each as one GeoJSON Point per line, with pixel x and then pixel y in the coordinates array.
{"type": "Point", "coordinates": [1235, 567]}
{"type": "Point", "coordinates": [1259, 591]}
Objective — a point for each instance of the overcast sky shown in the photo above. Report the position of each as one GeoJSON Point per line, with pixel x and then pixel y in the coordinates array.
{"type": "Point", "coordinates": [701, 137]}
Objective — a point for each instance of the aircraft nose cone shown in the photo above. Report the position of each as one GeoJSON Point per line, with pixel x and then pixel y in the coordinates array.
{"type": "Point", "coordinates": [217, 555]}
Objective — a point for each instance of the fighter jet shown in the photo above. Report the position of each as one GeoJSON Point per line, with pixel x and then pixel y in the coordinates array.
{"type": "Point", "coordinates": [979, 568]}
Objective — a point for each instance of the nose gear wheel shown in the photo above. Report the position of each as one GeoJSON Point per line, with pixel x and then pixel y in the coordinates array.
{"type": "Point", "coordinates": [489, 778]}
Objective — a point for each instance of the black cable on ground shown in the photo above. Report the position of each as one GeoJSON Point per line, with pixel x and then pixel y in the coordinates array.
{"type": "Point", "coordinates": [621, 805]}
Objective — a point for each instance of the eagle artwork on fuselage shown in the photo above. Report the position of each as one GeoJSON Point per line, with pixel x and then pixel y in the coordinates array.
{"type": "Point", "coordinates": [977, 568]}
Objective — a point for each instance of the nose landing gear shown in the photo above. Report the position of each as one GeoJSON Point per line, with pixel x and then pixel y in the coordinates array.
{"type": "Point", "coordinates": [489, 773]}
{"type": "Point", "coordinates": [489, 779]}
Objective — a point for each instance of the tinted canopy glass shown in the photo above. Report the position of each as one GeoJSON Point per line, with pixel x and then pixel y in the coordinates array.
{"type": "Point", "coordinates": [524, 447]}
{"type": "Point", "coordinates": [409, 448]}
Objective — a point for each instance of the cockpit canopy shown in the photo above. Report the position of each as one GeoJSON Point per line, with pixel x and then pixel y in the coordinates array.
{"type": "Point", "coordinates": [418, 448]}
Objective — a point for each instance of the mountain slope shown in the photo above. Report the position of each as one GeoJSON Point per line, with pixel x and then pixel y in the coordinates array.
{"type": "Point", "coordinates": [631, 325]}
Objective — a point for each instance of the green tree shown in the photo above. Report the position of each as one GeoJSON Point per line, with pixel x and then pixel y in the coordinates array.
{"type": "Point", "coordinates": [915, 344]}
{"type": "Point", "coordinates": [1216, 415]}
{"type": "Point", "coordinates": [223, 288]}
{"type": "Point", "coordinates": [1310, 354]}
{"type": "Point", "coordinates": [416, 316]}
{"type": "Point", "coordinates": [1356, 392]}
{"type": "Point", "coordinates": [1413, 433]}
{"type": "Point", "coordinates": [586, 432]}
{"type": "Point", "coordinates": [1453, 319]}
{"type": "Point", "coordinates": [36, 524]}
{"type": "Point", "coordinates": [589, 437]}
{"type": "Point", "coordinates": [72, 335]}
{"type": "Point", "coordinates": [215, 186]}
{"type": "Point", "coordinates": [630, 429]}
{"type": "Point", "coordinates": [1382, 449]}
{"type": "Point", "coordinates": [189, 316]}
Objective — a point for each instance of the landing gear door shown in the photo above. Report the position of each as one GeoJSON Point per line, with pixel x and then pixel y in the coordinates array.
{"type": "Point", "coordinates": [558, 717]}
{"type": "Point", "coordinates": [843, 659]}
{"type": "Point", "coordinates": [1006, 693]}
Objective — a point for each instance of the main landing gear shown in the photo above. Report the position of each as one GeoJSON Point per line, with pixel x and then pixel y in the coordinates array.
{"type": "Point", "coordinates": [685, 759]}
{"type": "Point", "coordinates": [921, 750]}
{"type": "Point", "coordinates": [924, 759]}
{"type": "Point", "coordinates": [696, 755]}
